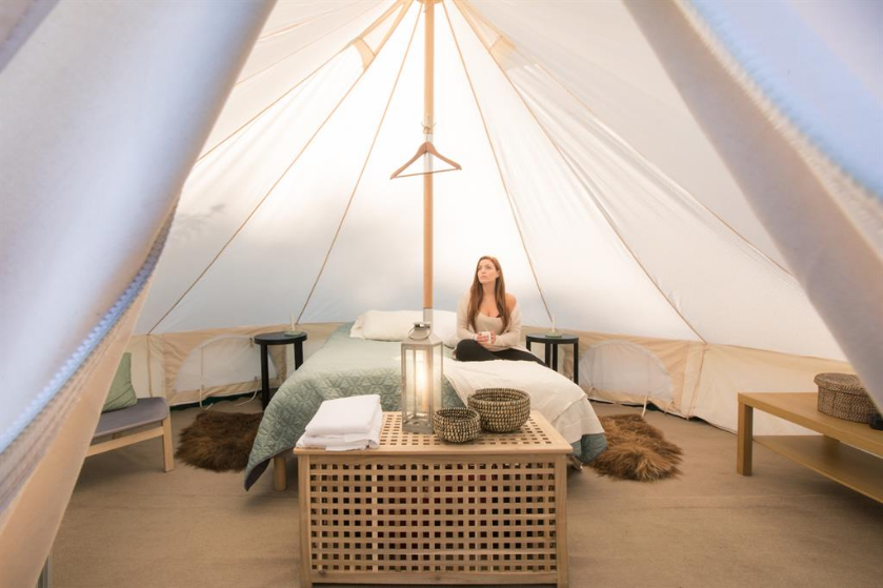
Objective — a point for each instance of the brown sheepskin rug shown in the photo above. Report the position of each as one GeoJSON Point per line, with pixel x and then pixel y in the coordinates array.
{"type": "Point", "coordinates": [219, 441]}
{"type": "Point", "coordinates": [636, 451]}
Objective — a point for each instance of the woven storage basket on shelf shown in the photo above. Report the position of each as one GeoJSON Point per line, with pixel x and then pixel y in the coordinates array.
{"type": "Point", "coordinates": [456, 425]}
{"type": "Point", "coordinates": [502, 410]}
{"type": "Point", "coordinates": [844, 397]}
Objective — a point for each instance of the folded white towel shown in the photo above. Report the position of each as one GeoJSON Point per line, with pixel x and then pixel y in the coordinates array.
{"type": "Point", "coordinates": [353, 415]}
{"type": "Point", "coordinates": [346, 442]}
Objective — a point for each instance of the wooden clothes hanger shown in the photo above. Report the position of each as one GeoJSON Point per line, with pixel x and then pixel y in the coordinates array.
{"type": "Point", "coordinates": [426, 148]}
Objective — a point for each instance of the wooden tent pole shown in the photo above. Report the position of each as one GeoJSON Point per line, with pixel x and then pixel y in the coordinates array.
{"type": "Point", "coordinates": [428, 116]}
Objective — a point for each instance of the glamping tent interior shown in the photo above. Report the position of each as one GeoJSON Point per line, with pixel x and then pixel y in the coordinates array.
{"type": "Point", "coordinates": [692, 189]}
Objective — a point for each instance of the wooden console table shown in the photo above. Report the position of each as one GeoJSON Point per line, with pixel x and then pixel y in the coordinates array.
{"type": "Point", "coordinates": [836, 454]}
{"type": "Point", "coordinates": [417, 510]}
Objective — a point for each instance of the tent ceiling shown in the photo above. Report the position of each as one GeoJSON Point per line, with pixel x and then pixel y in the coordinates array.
{"type": "Point", "coordinates": [598, 190]}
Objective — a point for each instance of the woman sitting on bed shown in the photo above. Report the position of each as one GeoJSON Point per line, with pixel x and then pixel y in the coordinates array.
{"type": "Point", "coordinates": [488, 319]}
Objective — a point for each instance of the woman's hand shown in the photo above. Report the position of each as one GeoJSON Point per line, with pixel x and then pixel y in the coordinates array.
{"type": "Point", "coordinates": [486, 339]}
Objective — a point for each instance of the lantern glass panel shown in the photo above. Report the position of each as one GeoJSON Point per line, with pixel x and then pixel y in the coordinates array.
{"type": "Point", "coordinates": [421, 379]}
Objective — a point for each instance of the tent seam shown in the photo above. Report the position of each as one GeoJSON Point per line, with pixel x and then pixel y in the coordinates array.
{"type": "Point", "coordinates": [588, 190]}
{"type": "Point", "coordinates": [647, 163]}
{"type": "Point", "coordinates": [592, 194]}
{"type": "Point", "coordinates": [361, 173]}
{"type": "Point", "coordinates": [93, 340]}
{"type": "Point", "coordinates": [696, 386]}
{"type": "Point", "coordinates": [286, 28]}
{"type": "Point", "coordinates": [646, 160]}
{"type": "Point", "coordinates": [311, 43]}
{"type": "Point", "coordinates": [263, 111]}
{"type": "Point", "coordinates": [512, 206]}
{"type": "Point", "coordinates": [270, 191]}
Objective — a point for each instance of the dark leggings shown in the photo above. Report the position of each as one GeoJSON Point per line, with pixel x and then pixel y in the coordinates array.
{"type": "Point", "coordinates": [469, 350]}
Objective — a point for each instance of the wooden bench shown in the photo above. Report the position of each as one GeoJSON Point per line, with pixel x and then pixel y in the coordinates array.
{"type": "Point", "coordinates": [144, 413]}
{"type": "Point", "coordinates": [844, 452]}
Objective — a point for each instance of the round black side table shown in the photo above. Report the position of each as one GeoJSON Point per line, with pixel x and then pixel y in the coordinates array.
{"type": "Point", "coordinates": [277, 338]}
{"type": "Point", "coordinates": [552, 344]}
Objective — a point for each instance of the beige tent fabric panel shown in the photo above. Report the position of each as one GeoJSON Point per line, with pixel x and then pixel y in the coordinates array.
{"type": "Point", "coordinates": [842, 275]}
{"type": "Point", "coordinates": [41, 485]}
{"type": "Point", "coordinates": [377, 34]}
{"type": "Point", "coordinates": [605, 289]}
{"type": "Point", "coordinates": [299, 55]}
{"type": "Point", "coordinates": [225, 189]}
{"type": "Point", "coordinates": [705, 378]}
{"type": "Point", "coordinates": [728, 371]}
{"type": "Point", "coordinates": [290, 15]}
{"type": "Point", "coordinates": [293, 25]}
{"type": "Point", "coordinates": [169, 350]}
{"type": "Point", "coordinates": [367, 168]}
{"type": "Point", "coordinates": [177, 347]}
{"type": "Point", "coordinates": [383, 228]}
{"type": "Point", "coordinates": [683, 246]}
{"type": "Point", "coordinates": [277, 355]}
{"type": "Point", "coordinates": [629, 190]}
{"type": "Point", "coordinates": [672, 354]}
{"type": "Point", "coordinates": [200, 396]}
{"type": "Point", "coordinates": [595, 50]}
{"type": "Point", "coordinates": [301, 214]}
{"type": "Point", "coordinates": [147, 365]}
{"type": "Point", "coordinates": [695, 363]}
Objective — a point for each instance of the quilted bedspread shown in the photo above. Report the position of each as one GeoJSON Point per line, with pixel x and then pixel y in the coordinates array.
{"type": "Point", "coordinates": [345, 367]}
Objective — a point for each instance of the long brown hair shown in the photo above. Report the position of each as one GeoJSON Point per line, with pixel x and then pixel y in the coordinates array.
{"type": "Point", "coordinates": [476, 292]}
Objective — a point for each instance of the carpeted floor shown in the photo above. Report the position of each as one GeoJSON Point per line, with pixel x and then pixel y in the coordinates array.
{"type": "Point", "coordinates": [131, 525]}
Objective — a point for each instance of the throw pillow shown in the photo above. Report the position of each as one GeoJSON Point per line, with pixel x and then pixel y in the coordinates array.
{"type": "Point", "coordinates": [121, 393]}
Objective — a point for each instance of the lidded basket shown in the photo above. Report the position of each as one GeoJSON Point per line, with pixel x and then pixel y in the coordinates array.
{"type": "Point", "coordinates": [844, 397]}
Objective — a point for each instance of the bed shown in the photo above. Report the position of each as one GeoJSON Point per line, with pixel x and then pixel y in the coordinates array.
{"type": "Point", "coordinates": [345, 366]}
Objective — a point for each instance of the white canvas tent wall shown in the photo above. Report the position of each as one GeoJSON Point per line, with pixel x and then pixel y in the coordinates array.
{"type": "Point", "coordinates": [566, 132]}
{"type": "Point", "coordinates": [101, 121]}
{"type": "Point", "coordinates": [598, 166]}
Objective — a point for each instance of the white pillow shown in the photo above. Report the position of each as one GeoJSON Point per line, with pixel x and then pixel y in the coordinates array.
{"type": "Point", "coordinates": [380, 325]}
{"type": "Point", "coordinates": [356, 331]}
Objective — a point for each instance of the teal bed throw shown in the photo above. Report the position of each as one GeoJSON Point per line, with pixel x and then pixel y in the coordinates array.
{"type": "Point", "coordinates": [345, 367]}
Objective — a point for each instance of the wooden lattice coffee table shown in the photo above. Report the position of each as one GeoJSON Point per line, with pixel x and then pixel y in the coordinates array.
{"type": "Point", "coordinates": [419, 511]}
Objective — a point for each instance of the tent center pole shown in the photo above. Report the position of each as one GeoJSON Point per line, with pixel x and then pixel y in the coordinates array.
{"type": "Point", "coordinates": [428, 123]}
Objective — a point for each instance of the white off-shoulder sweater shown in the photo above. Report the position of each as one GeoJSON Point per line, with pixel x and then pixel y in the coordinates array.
{"type": "Point", "coordinates": [510, 339]}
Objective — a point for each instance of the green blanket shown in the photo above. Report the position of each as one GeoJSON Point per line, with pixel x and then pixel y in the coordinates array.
{"type": "Point", "coordinates": [345, 367]}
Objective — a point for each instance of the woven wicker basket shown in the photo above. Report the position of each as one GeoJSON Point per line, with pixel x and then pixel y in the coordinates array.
{"type": "Point", "coordinates": [456, 425]}
{"type": "Point", "coordinates": [844, 397]}
{"type": "Point", "coordinates": [502, 410]}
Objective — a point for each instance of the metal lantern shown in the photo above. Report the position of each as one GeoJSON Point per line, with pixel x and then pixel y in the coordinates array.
{"type": "Point", "coordinates": [421, 378]}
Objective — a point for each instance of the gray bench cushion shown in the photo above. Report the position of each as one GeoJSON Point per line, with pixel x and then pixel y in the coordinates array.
{"type": "Point", "coordinates": [144, 412]}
